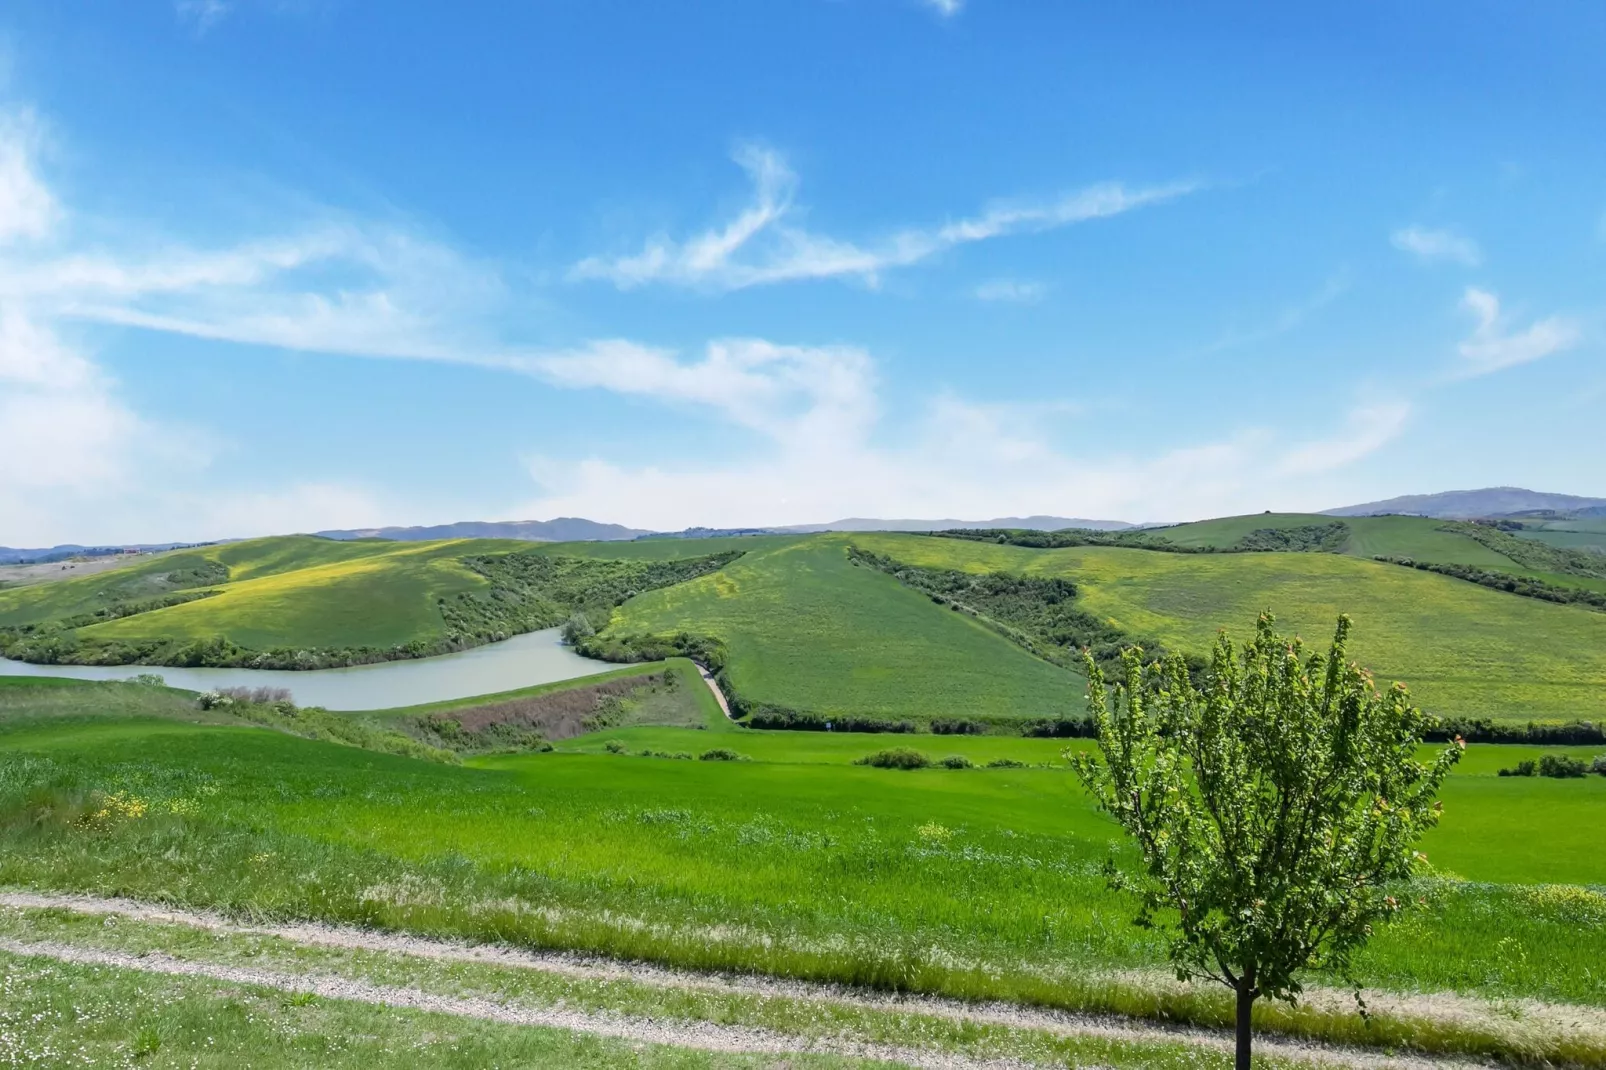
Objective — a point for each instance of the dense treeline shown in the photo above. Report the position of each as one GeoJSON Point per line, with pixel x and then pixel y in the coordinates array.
{"type": "Point", "coordinates": [1056, 540]}
{"type": "Point", "coordinates": [1483, 730]}
{"type": "Point", "coordinates": [534, 590]}
{"type": "Point", "coordinates": [1504, 581]}
{"type": "Point", "coordinates": [528, 591]}
{"type": "Point", "coordinates": [1039, 614]}
{"type": "Point", "coordinates": [1316, 538]}
{"type": "Point", "coordinates": [1531, 553]}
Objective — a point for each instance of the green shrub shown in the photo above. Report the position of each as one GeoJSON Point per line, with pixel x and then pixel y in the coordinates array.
{"type": "Point", "coordinates": [1562, 766]}
{"type": "Point", "coordinates": [613, 746]}
{"type": "Point", "coordinates": [1598, 765]}
{"type": "Point", "coordinates": [1005, 763]}
{"type": "Point", "coordinates": [895, 758]}
{"type": "Point", "coordinates": [957, 761]}
{"type": "Point", "coordinates": [1525, 768]}
{"type": "Point", "coordinates": [722, 754]}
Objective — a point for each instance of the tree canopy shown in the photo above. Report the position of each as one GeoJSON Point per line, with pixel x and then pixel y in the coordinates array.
{"type": "Point", "coordinates": [1273, 805]}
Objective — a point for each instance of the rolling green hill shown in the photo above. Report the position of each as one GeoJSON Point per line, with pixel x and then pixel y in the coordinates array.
{"type": "Point", "coordinates": [805, 631]}
{"type": "Point", "coordinates": [808, 631]}
{"type": "Point", "coordinates": [1420, 538]}
{"type": "Point", "coordinates": [1463, 649]}
{"type": "Point", "coordinates": [339, 601]}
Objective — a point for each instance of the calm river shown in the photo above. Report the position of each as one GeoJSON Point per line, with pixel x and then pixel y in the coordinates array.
{"type": "Point", "coordinates": [524, 660]}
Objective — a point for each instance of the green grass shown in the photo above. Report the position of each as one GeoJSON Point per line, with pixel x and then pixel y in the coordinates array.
{"type": "Point", "coordinates": [1462, 649]}
{"type": "Point", "coordinates": [807, 630]}
{"type": "Point", "coordinates": [972, 882]}
{"type": "Point", "coordinates": [379, 599]}
{"type": "Point", "coordinates": [1415, 537]}
{"type": "Point", "coordinates": [60, 1014]}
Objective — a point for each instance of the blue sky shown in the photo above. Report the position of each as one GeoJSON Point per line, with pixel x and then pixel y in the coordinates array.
{"type": "Point", "coordinates": [276, 265]}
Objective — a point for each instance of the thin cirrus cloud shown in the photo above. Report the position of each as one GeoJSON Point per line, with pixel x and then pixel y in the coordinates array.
{"type": "Point", "coordinates": [764, 244]}
{"type": "Point", "coordinates": [1494, 345]}
{"type": "Point", "coordinates": [1437, 246]}
{"type": "Point", "coordinates": [201, 15]}
{"type": "Point", "coordinates": [822, 442]}
{"type": "Point", "coordinates": [1011, 291]}
{"type": "Point", "coordinates": [945, 9]}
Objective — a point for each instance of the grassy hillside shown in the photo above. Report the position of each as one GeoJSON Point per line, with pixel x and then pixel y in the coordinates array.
{"type": "Point", "coordinates": [1587, 534]}
{"type": "Point", "coordinates": [808, 631]}
{"type": "Point", "coordinates": [977, 883]}
{"type": "Point", "coordinates": [383, 597]}
{"type": "Point", "coordinates": [1415, 537]}
{"type": "Point", "coordinates": [341, 601]}
{"type": "Point", "coordinates": [1463, 649]}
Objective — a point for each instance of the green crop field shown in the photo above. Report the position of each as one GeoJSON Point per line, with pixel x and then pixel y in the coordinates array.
{"type": "Point", "coordinates": [1462, 649]}
{"type": "Point", "coordinates": [978, 882]}
{"type": "Point", "coordinates": [808, 630]}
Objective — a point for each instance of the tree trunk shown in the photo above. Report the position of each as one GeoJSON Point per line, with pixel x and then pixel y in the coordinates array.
{"type": "Point", "coordinates": [1246, 1003]}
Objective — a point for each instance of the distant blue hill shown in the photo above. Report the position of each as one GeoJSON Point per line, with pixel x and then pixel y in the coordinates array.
{"type": "Point", "coordinates": [1470, 504]}
{"type": "Point", "coordinates": [559, 529]}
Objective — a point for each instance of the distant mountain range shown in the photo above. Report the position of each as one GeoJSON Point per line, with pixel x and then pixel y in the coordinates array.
{"type": "Point", "coordinates": [1469, 504]}
{"type": "Point", "coordinates": [1028, 523]}
{"type": "Point", "coordinates": [859, 523]}
{"type": "Point", "coordinates": [11, 555]}
{"type": "Point", "coordinates": [559, 529]}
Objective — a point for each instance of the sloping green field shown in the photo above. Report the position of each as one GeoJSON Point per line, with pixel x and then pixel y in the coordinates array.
{"type": "Point", "coordinates": [374, 599]}
{"type": "Point", "coordinates": [1419, 538]}
{"type": "Point", "coordinates": [807, 630]}
{"type": "Point", "coordinates": [1462, 649]}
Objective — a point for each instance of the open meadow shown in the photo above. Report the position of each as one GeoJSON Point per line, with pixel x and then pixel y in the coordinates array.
{"type": "Point", "coordinates": [778, 855]}
{"type": "Point", "coordinates": [623, 815]}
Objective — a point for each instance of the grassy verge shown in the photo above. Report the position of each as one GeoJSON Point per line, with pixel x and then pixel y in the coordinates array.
{"type": "Point", "coordinates": [58, 1014]}
{"type": "Point", "coordinates": [807, 1018]}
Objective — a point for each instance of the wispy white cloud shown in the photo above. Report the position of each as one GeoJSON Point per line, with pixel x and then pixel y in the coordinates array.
{"type": "Point", "coordinates": [820, 444]}
{"type": "Point", "coordinates": [1011, 291]}
{"type": "Point", "coordinates": [1437, 245]}
{"type": "Point", "coordinates": [829, 453]}
{"type": "Point", "coordinates": [946, 9]}
{"type": "Point", "coordinates": [1288, 319]}
{"type": "Point", "coordinates": [1368, 429]}
{"type": "Point", "coordinates": [762, 245]}
{"type": "Point", "coordinates": [27, 207]}
{"type": "Point", "coordinates": [201, 15]}
{"type": "Point", "coordinates": [1493, 345]}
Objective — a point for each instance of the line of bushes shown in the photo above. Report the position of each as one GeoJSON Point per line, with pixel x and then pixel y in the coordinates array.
{"type": "Point", "coordinates": [1037, 613]}
{"type": "Point", "coordinates": [1504, 581]}
{"type": "Point", "coordinates": [1559, 766]}
{"type": "Point", "coordinates": [1312, 538]}
{"type": "Point", "coordinates": [1483, 730]}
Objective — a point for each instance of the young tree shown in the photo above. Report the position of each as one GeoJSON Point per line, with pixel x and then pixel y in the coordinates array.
{"type": "Point", "coordinates": [1272, 806]}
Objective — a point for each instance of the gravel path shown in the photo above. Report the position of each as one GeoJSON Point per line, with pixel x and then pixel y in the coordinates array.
{"type": "Point", "coordinates": [702, 1036]}
{"type": "Point", "coordinates": [684, 1034]}
{"type": "Point", "coordinates": [713, 685]}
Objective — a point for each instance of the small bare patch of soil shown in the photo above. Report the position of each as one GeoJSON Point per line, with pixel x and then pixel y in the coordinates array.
{"type": "Point", "coordinates": [519, 722]}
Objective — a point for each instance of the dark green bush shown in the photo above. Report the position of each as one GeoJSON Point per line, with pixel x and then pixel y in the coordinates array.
{"type": "Point", "coordinates": [722, 754]}
{"type": "Point", "coordinates": [895, 758]}
{"type": "Point", "coordinates": [1005, 763]}
{"type": "Point", "coordinates": [957, 761]}
{"type": "Point", "coordinates": [1562, 766]}
{"type": "Point", "coordinates": [613, 746]}
{"type": "Point", "coordinates": [1525, 768]}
